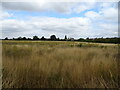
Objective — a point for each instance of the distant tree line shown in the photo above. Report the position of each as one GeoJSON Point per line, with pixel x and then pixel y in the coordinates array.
{"type": "Point", "coordinates": [54, 38]}
{"type": "Point", "coordinates": [101, 40]}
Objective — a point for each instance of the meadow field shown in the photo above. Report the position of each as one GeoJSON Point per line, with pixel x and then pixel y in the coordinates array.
{"type": "Point", "coordinates": [59, 64]}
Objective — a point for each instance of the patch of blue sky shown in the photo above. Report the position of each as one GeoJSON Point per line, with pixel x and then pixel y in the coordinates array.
{"type": "Point", "coordinates": [25, 14]}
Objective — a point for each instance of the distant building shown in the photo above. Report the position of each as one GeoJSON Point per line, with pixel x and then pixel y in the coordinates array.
{"type": "Point", "coordinates": [71, 39]}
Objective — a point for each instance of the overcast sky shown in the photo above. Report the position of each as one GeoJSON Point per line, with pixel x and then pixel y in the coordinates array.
{"type": "Point", "coordinates": [74, 19]}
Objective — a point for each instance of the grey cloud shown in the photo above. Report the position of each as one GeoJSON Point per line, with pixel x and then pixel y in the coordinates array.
{"type": "Point", "coordinates": [60, 7]}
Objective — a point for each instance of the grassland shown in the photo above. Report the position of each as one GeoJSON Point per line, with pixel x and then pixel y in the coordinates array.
{"type": "Point", "coordinates": [44, 64]}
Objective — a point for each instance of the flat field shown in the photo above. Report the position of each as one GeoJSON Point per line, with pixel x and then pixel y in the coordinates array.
{"type": "Point", "coordinates": [59, 64]}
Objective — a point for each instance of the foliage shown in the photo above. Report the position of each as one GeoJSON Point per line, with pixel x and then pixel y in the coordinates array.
{"type": "Point", "coordinates": [35, 38]}
{"type": "Point", "coordinates": [53, 38]}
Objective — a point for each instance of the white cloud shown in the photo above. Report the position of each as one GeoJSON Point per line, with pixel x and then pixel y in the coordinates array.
{"type": "Point", "coordinates": [108, 5]}
{"type": "Point", "coordinates": [104, 30]}
{"type": "Point", "coordinates": [73, 27]}
{"type": "Point", "coordinates": [95, 23]}
{"type": "Point", "coordinates": [108, 13]}
{"type": "Point", "coordinates": [108, 29]}
{"type": "Point", "coordinates": [105, 21]}
{"type": "Point", "coordinates": [4, 14]}
{"type": "Point", "coordinates": [92, 14]}
{"type": "Point", "coordinates": [84, 6]}
{"type": "Point", "coordinates": [45, 26]}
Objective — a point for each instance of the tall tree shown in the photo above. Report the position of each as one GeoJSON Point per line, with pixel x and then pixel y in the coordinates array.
{"type": "Point", "coordinates": [19, 38]}
{"type": "Point", "coordinates": [24, 38]}
{"type": "Point", "coordinates": [6, 38]}
{"type": "Point", "coordinates": [65, 37]}
{"type": "Point", "coordinates": [42, 38]}
{"type": "Point", "coordinates": [53, 37]}
{"type": "Point", "coordinates": [35, 38]}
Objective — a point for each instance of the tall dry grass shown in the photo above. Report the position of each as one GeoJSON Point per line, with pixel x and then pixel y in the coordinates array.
{"type": "Point", "coordinates": [45, 66]}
